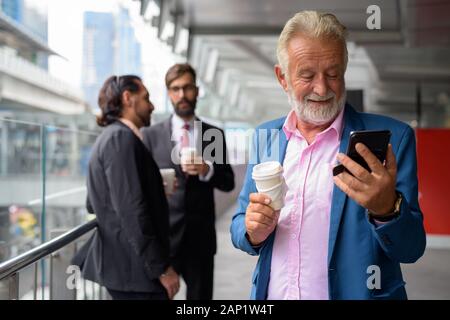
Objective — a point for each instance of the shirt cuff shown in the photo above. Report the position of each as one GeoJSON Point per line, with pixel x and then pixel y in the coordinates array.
{"type": "Point", "coordinates": [209, 174]}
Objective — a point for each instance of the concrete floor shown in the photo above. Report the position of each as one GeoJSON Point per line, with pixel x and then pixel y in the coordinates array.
{"type": "Point", "coordinates": [428, 278]}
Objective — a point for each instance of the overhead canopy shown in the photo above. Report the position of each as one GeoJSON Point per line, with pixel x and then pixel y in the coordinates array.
{"type": "Point", "coordinates": [233, 47]}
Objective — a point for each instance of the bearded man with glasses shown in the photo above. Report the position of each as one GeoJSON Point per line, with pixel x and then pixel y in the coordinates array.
{"type": "Point", "coordinates": [192, 212]}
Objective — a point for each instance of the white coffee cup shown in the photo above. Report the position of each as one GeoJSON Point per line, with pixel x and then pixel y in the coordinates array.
{"type": "Point", "coordinates": [187, 155]}
{"type": "Point", "coordinates": [269, 180]}
{"type": "Point", "coordinates": [276, 194]}
{"type": "Point", "coordinates": [168, 176]}
{"type": "Point", "coordinates": [267, 174]}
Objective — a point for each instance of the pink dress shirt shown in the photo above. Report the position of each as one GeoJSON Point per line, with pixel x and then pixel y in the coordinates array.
{"type": "Point", "coordinates": [299, 268]}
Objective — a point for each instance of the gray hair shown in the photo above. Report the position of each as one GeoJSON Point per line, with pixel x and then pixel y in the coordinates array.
{"type": "Point", "coordinates": [311, 24]}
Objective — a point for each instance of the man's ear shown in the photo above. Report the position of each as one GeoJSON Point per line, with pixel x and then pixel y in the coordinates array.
{"type": "Point", "coordinates": [281, 77]}
{"type": "Point", "coordinates": [126, 97]}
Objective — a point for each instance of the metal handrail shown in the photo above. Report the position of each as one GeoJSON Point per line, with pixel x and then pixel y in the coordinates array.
{"type": "Point", "coordinates": [15, 264]}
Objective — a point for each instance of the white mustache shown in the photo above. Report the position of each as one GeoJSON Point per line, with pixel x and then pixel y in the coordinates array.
{"type": "Point", "coordinates": [315, 97]}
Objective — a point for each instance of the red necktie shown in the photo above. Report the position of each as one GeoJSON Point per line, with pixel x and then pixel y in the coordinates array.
{"type": "Point", "coordinates": [185, 136]}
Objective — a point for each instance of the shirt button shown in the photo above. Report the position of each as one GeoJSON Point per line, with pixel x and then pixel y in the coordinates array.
{"type": "Point", "coordinates": [293, 235]}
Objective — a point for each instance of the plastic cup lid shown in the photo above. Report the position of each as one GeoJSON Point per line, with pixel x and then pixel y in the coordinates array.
{"type": "Point", "coordinates": [268, 168]}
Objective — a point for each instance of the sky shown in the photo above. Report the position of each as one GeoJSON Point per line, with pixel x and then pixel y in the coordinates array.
{"type": "Point", "coordinates": [65, 35]}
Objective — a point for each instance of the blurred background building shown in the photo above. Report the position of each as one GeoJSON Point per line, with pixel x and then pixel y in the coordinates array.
{"type": "Point", "coordinates": [109, 47]}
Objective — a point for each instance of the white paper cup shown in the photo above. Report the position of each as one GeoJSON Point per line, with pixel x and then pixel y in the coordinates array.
{"type": "Point", "coordinates": [276, 194]}
{"type": "Point", "coordinates": [168, 176]}
{"type": "Point", "coordinates": [188, 155]}
{"type": "Point", "coordinates": [267, 174]}
{"type": "Point", "coordinates": [197, 160]}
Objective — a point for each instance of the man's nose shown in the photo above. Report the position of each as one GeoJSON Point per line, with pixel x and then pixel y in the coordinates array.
{"type": "Point", "coordinates": [320, 86]}
{"type": "Point", "coordinates": [181, 93]}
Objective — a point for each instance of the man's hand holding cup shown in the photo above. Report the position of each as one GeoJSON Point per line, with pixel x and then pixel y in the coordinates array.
{"type": "Point", "coordinates": [264, 208]}
{"type": "Point", "coordinates": [260, 218]}
{"type": "Point", "coordinates": [193, 164]}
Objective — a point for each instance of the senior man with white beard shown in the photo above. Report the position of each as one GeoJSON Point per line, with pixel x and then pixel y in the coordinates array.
{"type": "Point", "coordinates": [340, 237]}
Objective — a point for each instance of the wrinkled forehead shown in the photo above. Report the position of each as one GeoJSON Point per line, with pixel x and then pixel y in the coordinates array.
{"type": "Point", "coordinates": [302, 48]}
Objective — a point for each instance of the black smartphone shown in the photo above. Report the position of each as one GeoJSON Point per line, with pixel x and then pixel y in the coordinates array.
{"type": "Point", "coordinates": [377, 142]}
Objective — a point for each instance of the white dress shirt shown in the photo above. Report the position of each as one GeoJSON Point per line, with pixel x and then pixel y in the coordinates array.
{"type": "Point", "coordinates": [177, 131]}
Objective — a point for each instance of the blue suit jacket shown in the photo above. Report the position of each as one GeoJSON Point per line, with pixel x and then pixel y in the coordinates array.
{"type": "Point", "coordinates": [355, 243]}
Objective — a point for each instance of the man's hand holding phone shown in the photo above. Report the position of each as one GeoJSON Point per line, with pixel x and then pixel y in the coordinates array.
{"type": "Point", "coordinates": [374, 190]}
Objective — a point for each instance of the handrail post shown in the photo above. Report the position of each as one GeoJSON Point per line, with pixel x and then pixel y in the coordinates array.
{"type": "Point", "coordinates": [75, 292]}
{"type": "Point", "coordinates": [100, 294]}
{"type": "Point", "coordinates": [59, 264]}
{"type": "Point", "coordinates": [84, 289]}
{"type": "Point", "coordinates": [35, 280]}
{"type": "Point", "coordinates": [50, 285]}
{"type": "Point", "coordinates": [13, 287]}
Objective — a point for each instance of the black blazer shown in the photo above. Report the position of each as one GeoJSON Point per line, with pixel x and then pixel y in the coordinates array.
{"type": "Point", "coordinates": [130, 249]}
{"type": "Point", "coordinates": [192, 212]}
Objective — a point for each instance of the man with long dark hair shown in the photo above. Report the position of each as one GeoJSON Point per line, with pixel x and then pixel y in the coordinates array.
{"type": "Point", "coordinates": [129, 253]}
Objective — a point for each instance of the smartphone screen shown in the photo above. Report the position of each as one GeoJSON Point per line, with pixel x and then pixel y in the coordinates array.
{"type": "Point", "coordinates": [376, 141]}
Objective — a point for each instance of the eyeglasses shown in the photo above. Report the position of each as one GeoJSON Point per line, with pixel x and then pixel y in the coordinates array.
{"type": "Point", "coordinates": [188, 88]}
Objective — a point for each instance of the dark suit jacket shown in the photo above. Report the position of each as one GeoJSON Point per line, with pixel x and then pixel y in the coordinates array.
{"type": "Point", "coordinates": [130, 249]}
{"type": "Point", "coordinates": [192, 213]}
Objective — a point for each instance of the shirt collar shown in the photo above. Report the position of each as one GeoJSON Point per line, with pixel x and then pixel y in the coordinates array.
{"type": "Point", "coordinates": [133, 127]}
{"type": "Point", "coordinates": [337, 124]}
{"type": "Point", "coordinates": [178, 123]}
{"type": "Point", "coordinates": [290, 125]}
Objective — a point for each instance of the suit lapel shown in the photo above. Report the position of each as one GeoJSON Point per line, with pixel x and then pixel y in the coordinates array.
{"type": "Point", "coordinates": [275, 136]}
{"type": "Point", "coordinates": [169, 145]}
{"type": "Point", "coordinates": [200, 143]}
{"type": "Point", "coordinates": [283, 144]}
{"type": "Point", "coordinates": [352, 122]}
{"type": "Point", "coordinates": [266, 253]}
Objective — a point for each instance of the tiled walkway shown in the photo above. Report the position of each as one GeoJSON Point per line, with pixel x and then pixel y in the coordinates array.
{"type": "Point", "coordinates": [234, 268]}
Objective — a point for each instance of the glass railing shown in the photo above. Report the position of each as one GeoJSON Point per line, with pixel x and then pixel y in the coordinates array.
{"type": "Point", "coordinates": [42, 190]}
{"type": "Point", "coordinates": [42, 183]}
